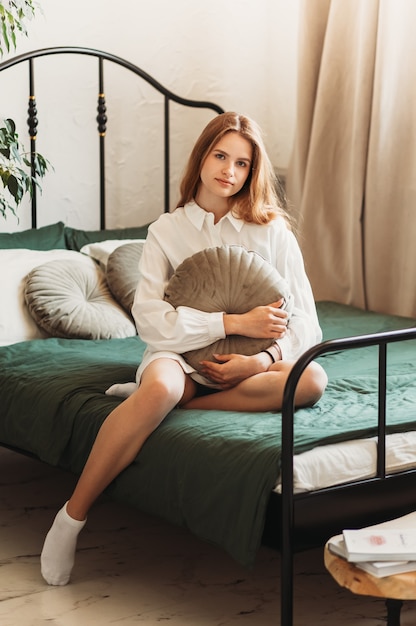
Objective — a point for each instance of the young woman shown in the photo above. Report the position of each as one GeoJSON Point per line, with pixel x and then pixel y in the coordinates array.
{"type": "Point", "coordinates": [228, 196]}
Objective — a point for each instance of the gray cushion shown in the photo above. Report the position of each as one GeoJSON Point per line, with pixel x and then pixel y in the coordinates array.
{"type": "Point", "coordinates": [72, 299]}
{"type": "Point", "coordinates": [123, 272]}
{"type": "Point", "coordinates": [230, 279]}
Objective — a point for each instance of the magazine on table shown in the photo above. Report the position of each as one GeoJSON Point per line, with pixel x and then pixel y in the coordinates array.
{"type": "Point", "coordinates": [380, 569]}
{"type": "Point", "coordinates": [380, 544]}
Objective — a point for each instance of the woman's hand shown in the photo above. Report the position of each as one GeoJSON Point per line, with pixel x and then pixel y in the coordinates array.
{"type": "Point", "coordinates": [231, 369]}
{"type": "Point", "coordinates": [262, 322]}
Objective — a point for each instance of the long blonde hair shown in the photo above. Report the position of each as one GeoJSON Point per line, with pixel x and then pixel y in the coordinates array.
{"type": "Point", "coordinates": [260, 200]}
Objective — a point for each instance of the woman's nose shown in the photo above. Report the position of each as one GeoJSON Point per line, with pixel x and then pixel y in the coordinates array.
{"type": "Point", "coordinates": [227, 169]}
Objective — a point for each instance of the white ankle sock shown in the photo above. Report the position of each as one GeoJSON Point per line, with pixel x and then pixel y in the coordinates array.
{"type": "Point", "coordinates": [58, 553]}
{"type": "Point", "coordinates": [122, 390]}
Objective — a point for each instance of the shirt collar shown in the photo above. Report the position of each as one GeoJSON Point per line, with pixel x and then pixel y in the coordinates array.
{"type": "Point", "coordinates": [197, 216]}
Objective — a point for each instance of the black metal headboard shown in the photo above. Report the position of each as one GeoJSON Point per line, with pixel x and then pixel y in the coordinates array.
{"type": "Point", "coordinates": [101, 118]}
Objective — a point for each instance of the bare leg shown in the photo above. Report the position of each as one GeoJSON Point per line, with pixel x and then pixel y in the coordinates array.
{"type": "Point", "coordinates": [118, 441]}
{"type": "Point", "coordinates": [126, 429]}
{"type": "Point", "coordinates": [163, 386]}
{"type": "Point", "coordinates": [264, 392]}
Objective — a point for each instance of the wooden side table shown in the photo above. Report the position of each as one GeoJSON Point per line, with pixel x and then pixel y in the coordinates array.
{"type": "Point", "coordinates": [394, 588]}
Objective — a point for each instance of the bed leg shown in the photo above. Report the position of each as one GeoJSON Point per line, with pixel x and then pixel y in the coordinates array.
{"type": "Point", "coordinates": [286, 588]}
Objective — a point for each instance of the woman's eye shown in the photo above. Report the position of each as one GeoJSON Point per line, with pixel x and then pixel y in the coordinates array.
{"type": "Point", "coordinates": [219, 156]}
{"type": "Point", "coordinates": [241, 163]}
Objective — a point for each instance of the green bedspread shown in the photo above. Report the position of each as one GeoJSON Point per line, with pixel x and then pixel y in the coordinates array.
{"type": "Point", "coordinates": [211, 472]}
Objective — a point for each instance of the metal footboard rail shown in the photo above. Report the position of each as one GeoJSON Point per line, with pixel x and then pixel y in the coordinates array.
{"type": "Point", "coordinates": [101, 118]}
{"type": "Point", "coordinates": [381, 340]}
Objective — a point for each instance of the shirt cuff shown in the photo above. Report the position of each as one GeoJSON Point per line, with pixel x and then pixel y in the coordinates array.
{"type": "Point", "coordinates": [216, 326]}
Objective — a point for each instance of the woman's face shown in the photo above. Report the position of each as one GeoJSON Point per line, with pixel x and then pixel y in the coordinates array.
{"type": "Point", "coordinates": [226, 168]}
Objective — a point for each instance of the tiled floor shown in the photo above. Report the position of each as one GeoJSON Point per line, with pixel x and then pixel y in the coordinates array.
{"type": "Point", "coordinates": [133, 569]}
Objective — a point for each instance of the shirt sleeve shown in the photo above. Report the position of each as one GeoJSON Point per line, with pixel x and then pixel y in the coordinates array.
{"type": "Point", "coordinates": [303, 329]}
{"type": "Point", "coordinates": [159, 324]}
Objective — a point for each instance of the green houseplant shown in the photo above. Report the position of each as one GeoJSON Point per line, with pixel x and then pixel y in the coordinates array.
{"type": "Point", "coordinates": [18, 172]}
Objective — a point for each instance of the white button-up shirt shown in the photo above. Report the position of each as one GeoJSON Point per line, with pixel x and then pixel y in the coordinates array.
{"type": "Point", "coordinates": [174, 237]}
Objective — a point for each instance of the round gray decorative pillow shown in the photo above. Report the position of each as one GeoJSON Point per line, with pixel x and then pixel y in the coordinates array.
{"type": "Point", "coordinates": [71, 299]}
{"type": "Point", "coordinates": [230, 279]}
{"type": "Point", "coordinates": [123, 272]}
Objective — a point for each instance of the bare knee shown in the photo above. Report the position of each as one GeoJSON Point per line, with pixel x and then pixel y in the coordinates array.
{"type": "Point", "coordinates": [166, 390]}
{"type": "Point", "coordinates": [312, 385]}
{"type": "Point", "coordinates": [163, 382]}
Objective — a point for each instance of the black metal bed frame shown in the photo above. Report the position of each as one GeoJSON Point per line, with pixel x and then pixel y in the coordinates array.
{"type": "Point", "coordinates": [369, 490]}
{"type": "Point", "coordinates": [101, 118]}
{"type": "Point", "coordinates": [288, 510]}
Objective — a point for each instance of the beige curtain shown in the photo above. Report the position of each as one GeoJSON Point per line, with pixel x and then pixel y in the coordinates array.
{"type": "Point", "coordinates": [352, 177]}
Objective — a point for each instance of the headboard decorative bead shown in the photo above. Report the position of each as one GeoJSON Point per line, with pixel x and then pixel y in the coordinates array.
{"type": "Point", "coordinates": [101, 117]}
{"type": "Point", "coordinates": [32, 120]}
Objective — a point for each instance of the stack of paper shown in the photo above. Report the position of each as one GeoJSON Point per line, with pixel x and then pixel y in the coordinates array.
{"type": "Point", "coordinates": [379, 551]}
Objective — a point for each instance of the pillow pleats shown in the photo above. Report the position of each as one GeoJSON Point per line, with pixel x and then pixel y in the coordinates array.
{"type": "Point", "coordinates": [72, 299]}
{"type": "Point", "coordinates": [231, 279]}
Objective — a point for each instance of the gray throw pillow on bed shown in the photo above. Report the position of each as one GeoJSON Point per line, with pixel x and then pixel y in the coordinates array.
{"type": "Point", "coordinates": [230, 279]}
{"type": "Point", "coordinates": [71, 299]}
{"type": "Point", "coordinates": [123, 272]}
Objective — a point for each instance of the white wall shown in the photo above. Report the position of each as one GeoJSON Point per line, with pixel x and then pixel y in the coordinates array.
{"type": "Point", "coordinates": [241, 55]}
